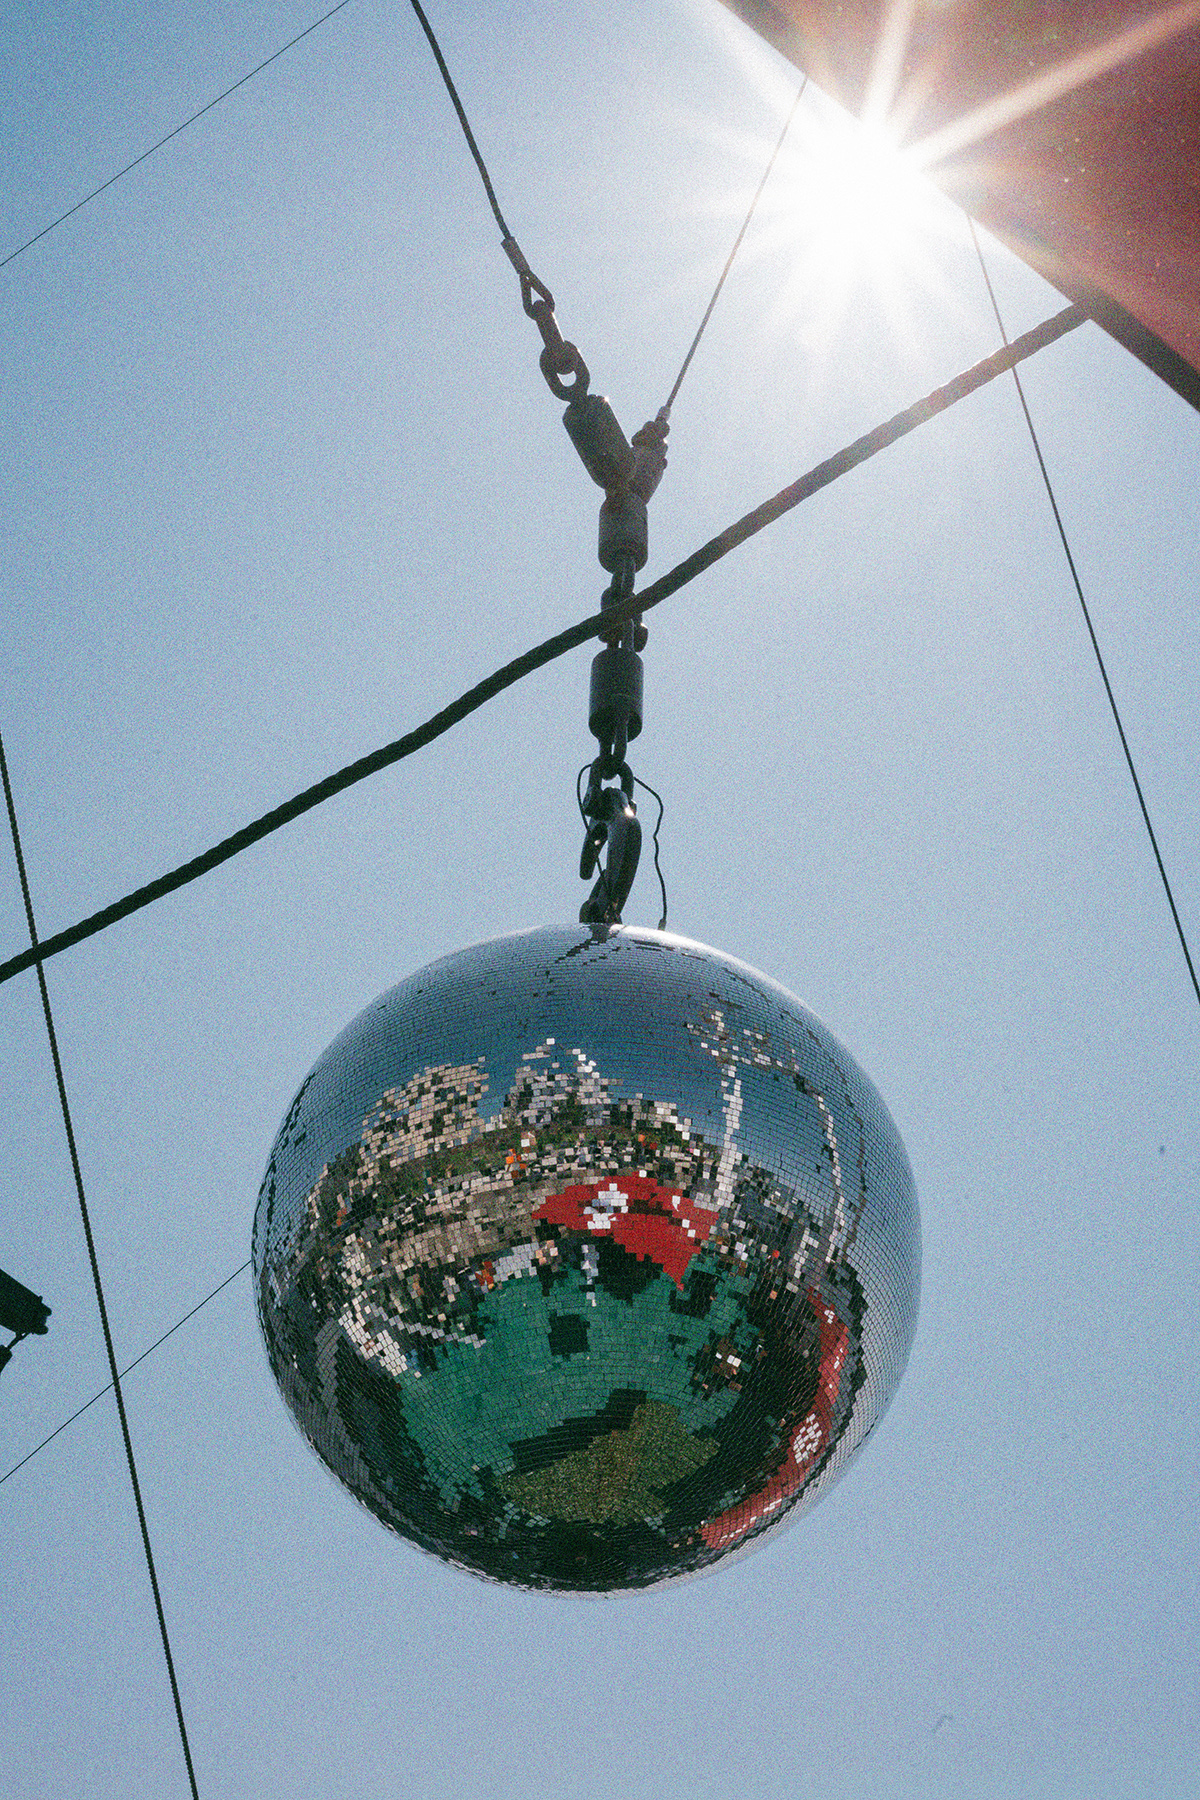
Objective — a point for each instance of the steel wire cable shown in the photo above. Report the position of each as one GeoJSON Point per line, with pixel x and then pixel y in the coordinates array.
{"type": "Point", "coordinates": [97, 1283]}
{"type": "Point", "coordinates": [96, 192]}
{"type": "Point", "coordinates": [665, 410]}
{"type": "Point", "coordinates": [156, 1345]}
{"type": "Point", "coordinates": [553, 647]}
{"type": "Point", "coordinates": [1087, 619]}
{"type": "Point", "coordinates": [472, 146]}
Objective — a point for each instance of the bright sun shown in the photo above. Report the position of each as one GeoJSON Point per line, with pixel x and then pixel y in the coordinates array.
{"type": "Point", "coordinates": [861, 203]}
{"type": "Point", "coordinates": [847, 212]}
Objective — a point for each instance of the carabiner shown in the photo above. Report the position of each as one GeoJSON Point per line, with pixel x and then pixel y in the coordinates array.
{"type": "Point", "coordinates": [616, 829]}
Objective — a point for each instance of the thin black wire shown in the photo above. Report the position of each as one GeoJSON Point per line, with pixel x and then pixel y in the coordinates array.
{"type": "Point", "coordinates": [93, 1259]}
{"type": "Point", "coordinates": [124, 1372]}
{"type": "Point", "coordinates": [638, 782]}
{"type": "Point", "coordinates": [665, 411]}
{"type": "Point", "coordinates": [553, 647]}
{"type": "Point", "coordinates": [1087, 618]}
{"type": "Point", "coordinates": [87, 198]}
{"type": "Point", "coordinates": [427, 28]}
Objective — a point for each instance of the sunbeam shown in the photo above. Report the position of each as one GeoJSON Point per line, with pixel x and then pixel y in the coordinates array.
{"type": "Point", "coordinates": [1063, 78]}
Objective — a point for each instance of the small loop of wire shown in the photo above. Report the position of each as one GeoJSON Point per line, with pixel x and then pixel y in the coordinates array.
{"type": "Point", "coordinates": [530, 285]}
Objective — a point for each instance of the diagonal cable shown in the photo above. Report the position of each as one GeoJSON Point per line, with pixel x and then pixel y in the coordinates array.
{"type": "Point", "coordinates": [96, 192]}
{"type": "Point", "coordinates": [472, 146]}
{"type": "Point", "coordinates": [1087, 619]}
{"type": "Point", "coordinates": [157, 1344]}
{"type": "Point", "coordinates": [95, 1264]}
{"type": "Point", "coordinates": [665, 410]}
{"type": "Point", "coordinates": [553, 647]}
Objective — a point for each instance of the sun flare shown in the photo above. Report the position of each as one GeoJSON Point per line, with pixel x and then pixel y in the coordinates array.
{"type": "Point", "coordinates": [855, 220]}
{"type": "Point", "coordinates": [860, 203]}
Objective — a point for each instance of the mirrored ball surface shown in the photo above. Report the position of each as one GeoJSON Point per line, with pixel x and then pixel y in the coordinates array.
{"type": "Point", "coordinates": [586, 1258]}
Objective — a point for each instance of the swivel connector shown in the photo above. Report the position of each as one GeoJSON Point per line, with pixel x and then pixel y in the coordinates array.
{"type": "Point", "coordinates": [615, 700]}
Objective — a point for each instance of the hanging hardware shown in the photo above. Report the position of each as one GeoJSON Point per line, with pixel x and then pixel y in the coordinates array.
{"type": "Point", "coordinates": [612, 826]}
{"type": "Point", "coordinates": [559, 359]}
{"type": "Point", "coordinates": [614, 719]}
{"type": "Point", "coordinates": [615, 692]}
{"type": "Point", "coordinates": [620, 468]}
{"type": "Point", "coordinates": [604, 450]}
{"type": "Point", "coordinates": [629, 474]}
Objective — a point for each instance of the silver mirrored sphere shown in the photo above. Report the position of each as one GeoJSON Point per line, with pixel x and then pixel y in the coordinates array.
{"type": "Point", "coordinates": [587, 1258]}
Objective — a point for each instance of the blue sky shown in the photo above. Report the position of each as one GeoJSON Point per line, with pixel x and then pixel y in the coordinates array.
{"type": "Point", "coordinates": [285, 478]}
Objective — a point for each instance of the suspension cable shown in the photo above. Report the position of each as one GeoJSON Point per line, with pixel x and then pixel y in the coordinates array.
{"type": "Point", "coordinates": [472, 146]}
{"type": "Point", "coordinates": [1087, 619]}
{"type": "Point", "coordinates": [665, 410]}
{"type": "Point", "coordinates": [87, 198]}
{"type": "Point", "coordinates": [558, 645]}
{"type": "Point", "coordinates": [563, 368]}
{"type": "Point", "coordinates": [95, 1266]}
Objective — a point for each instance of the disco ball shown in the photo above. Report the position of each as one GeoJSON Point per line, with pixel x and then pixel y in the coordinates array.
{"type": "Point", "coordinates": [586, 1258]}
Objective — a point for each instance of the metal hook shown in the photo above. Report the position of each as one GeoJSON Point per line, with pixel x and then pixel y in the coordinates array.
{"type": "Point", "coordinates": [614, 827]}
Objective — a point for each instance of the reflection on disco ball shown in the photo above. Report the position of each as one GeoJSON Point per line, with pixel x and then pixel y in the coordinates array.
{"type": "Point", "coordinates": [587, 1257]}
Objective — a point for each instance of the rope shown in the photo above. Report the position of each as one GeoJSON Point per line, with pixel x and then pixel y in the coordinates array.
{"type": "Point", "coordinates": [665, 411]}
{"type": "Point", "coordinates": [93, 1259]}
{"type": "Point", "coordinates": [87, 198]}
{"type": "Point", "coordinates": [558, 645]}
{"type": "Point", "coordinates": [28, 1457]}
{"type": "Point", "coordinates": [1087, 619]}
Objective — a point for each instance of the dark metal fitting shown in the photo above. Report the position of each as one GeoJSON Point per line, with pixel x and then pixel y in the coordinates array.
{"type": "Point", "coordinates": [530, 285]}
{"type": "Point", "coordinates": [561, 361]}
{"type": "Point", "coordinates": [615, 699]}
{"type": "Point", "coordinates": [605, 768]}
{"type": "Point", "coordinates": [598, 801]}
{"type": "Point", "coordinates": [542, 314]}
{"type": "Point", "coordinates": [595, 431]}
{"type": "Point", "coordinates": [23, 1311]}
{"type": "Point", "coordinates": [619, 588]}
{"type": "Point", "coordinates": [624, 532]}
{"type": "Point", "coordinates": [650, 459]}
{"type": "Point", "coordinates": [616, 828]}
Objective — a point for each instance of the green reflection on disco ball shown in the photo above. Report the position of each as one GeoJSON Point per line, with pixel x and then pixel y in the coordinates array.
{"type": "Point", "coordinates": [586, 1258]}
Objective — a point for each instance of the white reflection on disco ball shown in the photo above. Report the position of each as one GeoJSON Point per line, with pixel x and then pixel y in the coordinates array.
{"type": "Point", "coordinates": [586, 1258]}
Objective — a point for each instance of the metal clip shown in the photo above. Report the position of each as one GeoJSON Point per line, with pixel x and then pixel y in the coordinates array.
{"type": "Point", "coordinates": [650, 456]}
{"type": "Point", "coordinates": [615, 828]}
{"type": "Point", "coordinates": [559, 359]}
{"type": "Point", "coordinates": [556, 362]}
